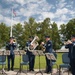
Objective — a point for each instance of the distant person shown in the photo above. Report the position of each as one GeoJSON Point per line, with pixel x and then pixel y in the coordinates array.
{"type": "Point", "coordinates": [11, 47]}
{"type": "Point", "coordinates": [71, 47]}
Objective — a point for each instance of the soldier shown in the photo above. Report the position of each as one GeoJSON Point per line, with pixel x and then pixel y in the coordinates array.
{"type": "Point", "coordinates": [30, 55]}
{"type": "Point", "coordinates": [48, 50]}
{"type": "Point", "coordinates": [71, 55]}
{"type": "Point", "coordinates": [11, 46]}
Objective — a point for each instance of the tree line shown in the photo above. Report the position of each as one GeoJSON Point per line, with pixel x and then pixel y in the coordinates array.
{"type": "Point", "coordinates": [32, 28]}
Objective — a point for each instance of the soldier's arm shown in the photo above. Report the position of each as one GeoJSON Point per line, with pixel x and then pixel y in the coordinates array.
{"type": "Point", "coordinates": [7, 45]}
{"type": "Point", "coordinates": [67, 46]}
{"type": "Point", "coordinates": [27, 44]}
{"type": "Point", "coordinates": [14, 45]}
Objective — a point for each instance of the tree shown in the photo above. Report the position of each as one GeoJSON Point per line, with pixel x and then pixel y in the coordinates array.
{"type": "Point", "coordinates": [62, 32]}
{"type": "Point", "coordinates": [44, 28]}
{"type": "Point", "coordinates": [29, 29]}
{"type": "Point", "coordinates": [70, 28]}
{"type": "Point", "coordinates": [18, 32]}
{"type": "Point", "coordinates": [55, 36]}
{"type": "Point", "coordinates": [4, 34]}
{"type": "Point", "coordinates": [67, 30]}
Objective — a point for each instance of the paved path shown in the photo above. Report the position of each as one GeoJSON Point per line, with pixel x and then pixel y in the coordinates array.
{"type": "Point", "coordinates": [33, 73]}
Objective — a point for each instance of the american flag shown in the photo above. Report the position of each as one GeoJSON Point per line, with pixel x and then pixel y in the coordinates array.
{"type": "Point", "coordinates": [14, 13]}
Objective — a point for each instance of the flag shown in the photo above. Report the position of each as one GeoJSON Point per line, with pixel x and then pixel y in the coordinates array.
{"type": "Point", "coordinates": [14, 13]}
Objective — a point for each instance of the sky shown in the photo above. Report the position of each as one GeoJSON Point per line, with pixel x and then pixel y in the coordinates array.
{"type": "Point", "coordinates": [59, 11]}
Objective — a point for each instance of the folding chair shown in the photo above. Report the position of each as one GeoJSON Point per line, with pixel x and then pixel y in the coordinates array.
{"type": "Point", "coordinates": [66, 61]}
{"type": "Point", "coordinates": [25, 61]}
{"type": "Point", "coordinates": [3, 62]}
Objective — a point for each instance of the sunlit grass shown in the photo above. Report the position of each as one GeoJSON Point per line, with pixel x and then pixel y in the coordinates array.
{"type": "Point", "coordinates": [42, 61]}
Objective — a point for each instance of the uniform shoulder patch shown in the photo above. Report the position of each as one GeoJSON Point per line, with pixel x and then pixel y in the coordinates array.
{"type": "Point", "coordinates": [49, 44]}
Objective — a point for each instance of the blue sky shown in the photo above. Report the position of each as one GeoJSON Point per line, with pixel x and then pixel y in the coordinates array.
{"type": "Point", "coordinates": [60, 11]}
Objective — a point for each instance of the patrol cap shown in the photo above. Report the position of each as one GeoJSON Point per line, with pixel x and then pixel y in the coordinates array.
{"type": "Point", "coordinates": [47, 36]}
{"type": "Point", "coordinates": [11, 38]}
{"type": "Point", "coordinates": [31, 37]}
{"type": "Point", "coordinates": [73, 36]}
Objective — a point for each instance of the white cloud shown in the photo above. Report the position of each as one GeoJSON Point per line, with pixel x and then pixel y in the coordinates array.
{"type": "Point", "coordinates": [1, 17]}
{"type": "Point", "coordinates": [22, 2]}
{"type": "Point", "coordinates": [9, 0]}
{"type": "Point", "coordinates": [8, 20]}
{"type": "Point", "coordinates": [47, 14]}
{"type": "Point", "coordinates": [61, 11]}
{"type": "Point", "coordinates": [35, 8]}
{"type": "Point", "coordinates": [28, 8]}
{"type": "Point", "coordinates": [72, 12]}
{"type": "Point", "coordinates": [59, 23]}
{"type": "Point", "coordinates": [61, 3]}
{"type": "Point", "coordinates": [15, 6]}
{"type": "Point", "coordinates": [63, 17]}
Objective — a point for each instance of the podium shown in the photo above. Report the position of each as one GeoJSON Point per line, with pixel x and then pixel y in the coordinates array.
{"type": "Point", "coordinates": [38, 53]}
{"type": "Point", "coordinates": [19, 52]}
{"type": "Point", "coordinates": [2, 59]}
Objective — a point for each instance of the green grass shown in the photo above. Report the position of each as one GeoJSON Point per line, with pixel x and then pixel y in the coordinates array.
{"type": "Point", "coordinates": [42, 61]}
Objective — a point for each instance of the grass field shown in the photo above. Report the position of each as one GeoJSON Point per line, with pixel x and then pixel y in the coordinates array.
{"type": "Point", "coordinates": [42, 61]}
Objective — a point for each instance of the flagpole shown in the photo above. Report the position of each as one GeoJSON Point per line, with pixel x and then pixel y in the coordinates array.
{"type": "Point", "coordinates": [11, 23]}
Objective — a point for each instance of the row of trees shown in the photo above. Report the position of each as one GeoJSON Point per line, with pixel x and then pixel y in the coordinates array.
{"type": "Point", "coordinates": [22, 32]}
{"type": "Point", "coordinates": [67, 30]}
